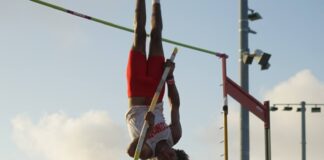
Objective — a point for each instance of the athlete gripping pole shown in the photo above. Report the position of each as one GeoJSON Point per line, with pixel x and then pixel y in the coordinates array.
{"type": "Point", "coordinates": [152, 107]}
{"type": "Point", "coordinates": [144, 76]}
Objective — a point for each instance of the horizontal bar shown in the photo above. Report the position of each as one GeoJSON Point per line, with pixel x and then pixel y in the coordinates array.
{"type": "Point", "coordinates": [296, 104]}
{"type": "Point", "coordinates": [121, 27]}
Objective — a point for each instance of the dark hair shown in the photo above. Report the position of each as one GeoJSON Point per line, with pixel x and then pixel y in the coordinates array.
{"type": "Point", "coordinates": [181, 154]}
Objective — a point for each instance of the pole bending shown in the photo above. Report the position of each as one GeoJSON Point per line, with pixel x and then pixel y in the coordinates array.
{"type": "Point", "coordinates": [119, 27]}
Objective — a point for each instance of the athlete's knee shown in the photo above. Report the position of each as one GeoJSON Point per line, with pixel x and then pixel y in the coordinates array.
{"type": "Point", "coordinates": [156, 34]}
{"type": "Point", "coordinates": [140, 34]}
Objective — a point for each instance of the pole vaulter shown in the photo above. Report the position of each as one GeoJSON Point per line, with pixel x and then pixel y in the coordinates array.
{"type": "Point", "coordinates": [152, 106]}
{"type": "Point", "coordinates": [245, 99]}
{"type": "Point", "coordinates": [229, 86]}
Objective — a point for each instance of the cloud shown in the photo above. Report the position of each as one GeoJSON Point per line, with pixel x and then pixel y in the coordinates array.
{"type": "Point", "coordinates": [285, 126]}
{"type": "Point", "coordinates": [58, 137]}
{"type": "Point", "coordinates": [303, 86]}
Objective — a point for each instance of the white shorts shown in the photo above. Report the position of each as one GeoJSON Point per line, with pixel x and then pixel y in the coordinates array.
{"type": "Point", "coordinates": [161, 131]}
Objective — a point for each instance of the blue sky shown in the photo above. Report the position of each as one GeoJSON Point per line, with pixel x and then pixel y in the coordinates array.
{"type": "Point", "coordinates": [63, 89]}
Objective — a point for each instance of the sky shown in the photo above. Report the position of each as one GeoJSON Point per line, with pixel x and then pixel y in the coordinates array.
{"type": "Point", "coordinates": [63, 85]}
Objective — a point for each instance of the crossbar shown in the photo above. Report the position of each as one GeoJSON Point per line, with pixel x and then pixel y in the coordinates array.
{"type": "Point", "coordinates": [120, 27]}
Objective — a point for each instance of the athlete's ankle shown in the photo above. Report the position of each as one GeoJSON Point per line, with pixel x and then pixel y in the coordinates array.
{"type": "Point", "coordinates": [155, 1]}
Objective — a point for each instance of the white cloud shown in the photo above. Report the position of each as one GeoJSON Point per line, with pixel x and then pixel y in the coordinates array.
{"type": "Point", "coordinates": [58, 137]}
{"type": "Point", "coordinates": [285, 126]}
{"type": "Point", "coordinates": [303, 86]}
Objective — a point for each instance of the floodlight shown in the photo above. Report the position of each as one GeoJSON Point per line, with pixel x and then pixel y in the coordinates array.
{"type": "Point", "coordinates": [266, 66]}
{"type": "Point", "coordinates": [253, 16]}
{"type": "Point", "coordinates": [260, 56]}
{"type": "Point", "coordinates": [316, 110]}
{"type": "Point", "coordinates": [273, 108]}
{"type": "Point", "coordinates": [247, 58]}
{"type": "Point", "coordinates": [287, 108]}
{"type": "Point", "coordinates": [300, 109]}
{"type": "Point", "coordinates": [263, 58]}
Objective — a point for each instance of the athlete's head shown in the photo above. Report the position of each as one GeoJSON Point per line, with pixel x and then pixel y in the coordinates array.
{"type": "Point", "coordinates": [181, 154]}
{"type": "Point", "coordinates": [168, 153]}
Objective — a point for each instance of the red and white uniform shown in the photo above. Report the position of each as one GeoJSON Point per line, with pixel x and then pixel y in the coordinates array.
{"type": "Point", "coordinates": [135, 118]}
{"type": "Point", "coordinates": [143, 77]}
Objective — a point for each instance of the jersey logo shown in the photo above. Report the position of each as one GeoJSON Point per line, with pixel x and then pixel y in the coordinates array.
{"type": "Point", "coordinates": [157, 129]}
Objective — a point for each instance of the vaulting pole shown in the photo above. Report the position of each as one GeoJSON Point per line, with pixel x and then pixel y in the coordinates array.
{"type": "Point", "coordinates": [152, 107]}
{"type": "Point", "coordinates": [118, 26]}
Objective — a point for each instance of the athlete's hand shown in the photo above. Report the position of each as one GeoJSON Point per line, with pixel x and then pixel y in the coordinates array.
{"type": "Point", "coordinates": [170, 64]}
{"type": "Point", "coordinates": [149, 117]}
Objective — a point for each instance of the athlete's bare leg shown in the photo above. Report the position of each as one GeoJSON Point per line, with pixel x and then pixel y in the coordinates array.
{"type": "Point", "coordinates": [139, 43]}
{"type": "Point", "coordinates": [156, 32]}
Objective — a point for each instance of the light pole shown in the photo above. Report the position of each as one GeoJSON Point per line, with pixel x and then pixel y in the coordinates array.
{"type": "Point", "coordinates": [245, 59]}
{"type": "Point", "coordinates": [244, 79]}
{"type": "Point", "coordinates": [302, 109]}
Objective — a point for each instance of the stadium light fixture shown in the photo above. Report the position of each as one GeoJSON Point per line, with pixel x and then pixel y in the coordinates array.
{"type": "Point", "coordinates": [253, 16]}
{"type": "Point", "coordinates": [273, 108]}
{"type": "Point", "coordinates": [287, 108]}
{"type": "Point", "coordinates": [261, 56]}
{"type": "Point", "coordinates": [316, 110]}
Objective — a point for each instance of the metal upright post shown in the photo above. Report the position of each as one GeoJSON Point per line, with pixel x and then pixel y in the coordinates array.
{"type": "Point", "coordinates": [267, 132]}
{"type": "Point", "coordinates": [225, 107]}
{"type": "Point", "coordinates": [244, 77]}
{"type": "Point", "coordinates": [303, 129]}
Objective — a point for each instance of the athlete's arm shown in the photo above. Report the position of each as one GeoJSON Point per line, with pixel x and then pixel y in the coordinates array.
{"type": "Point", "coordinates": [174, 100]}
{"type": "Point", "coordinates": [146, 150]}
